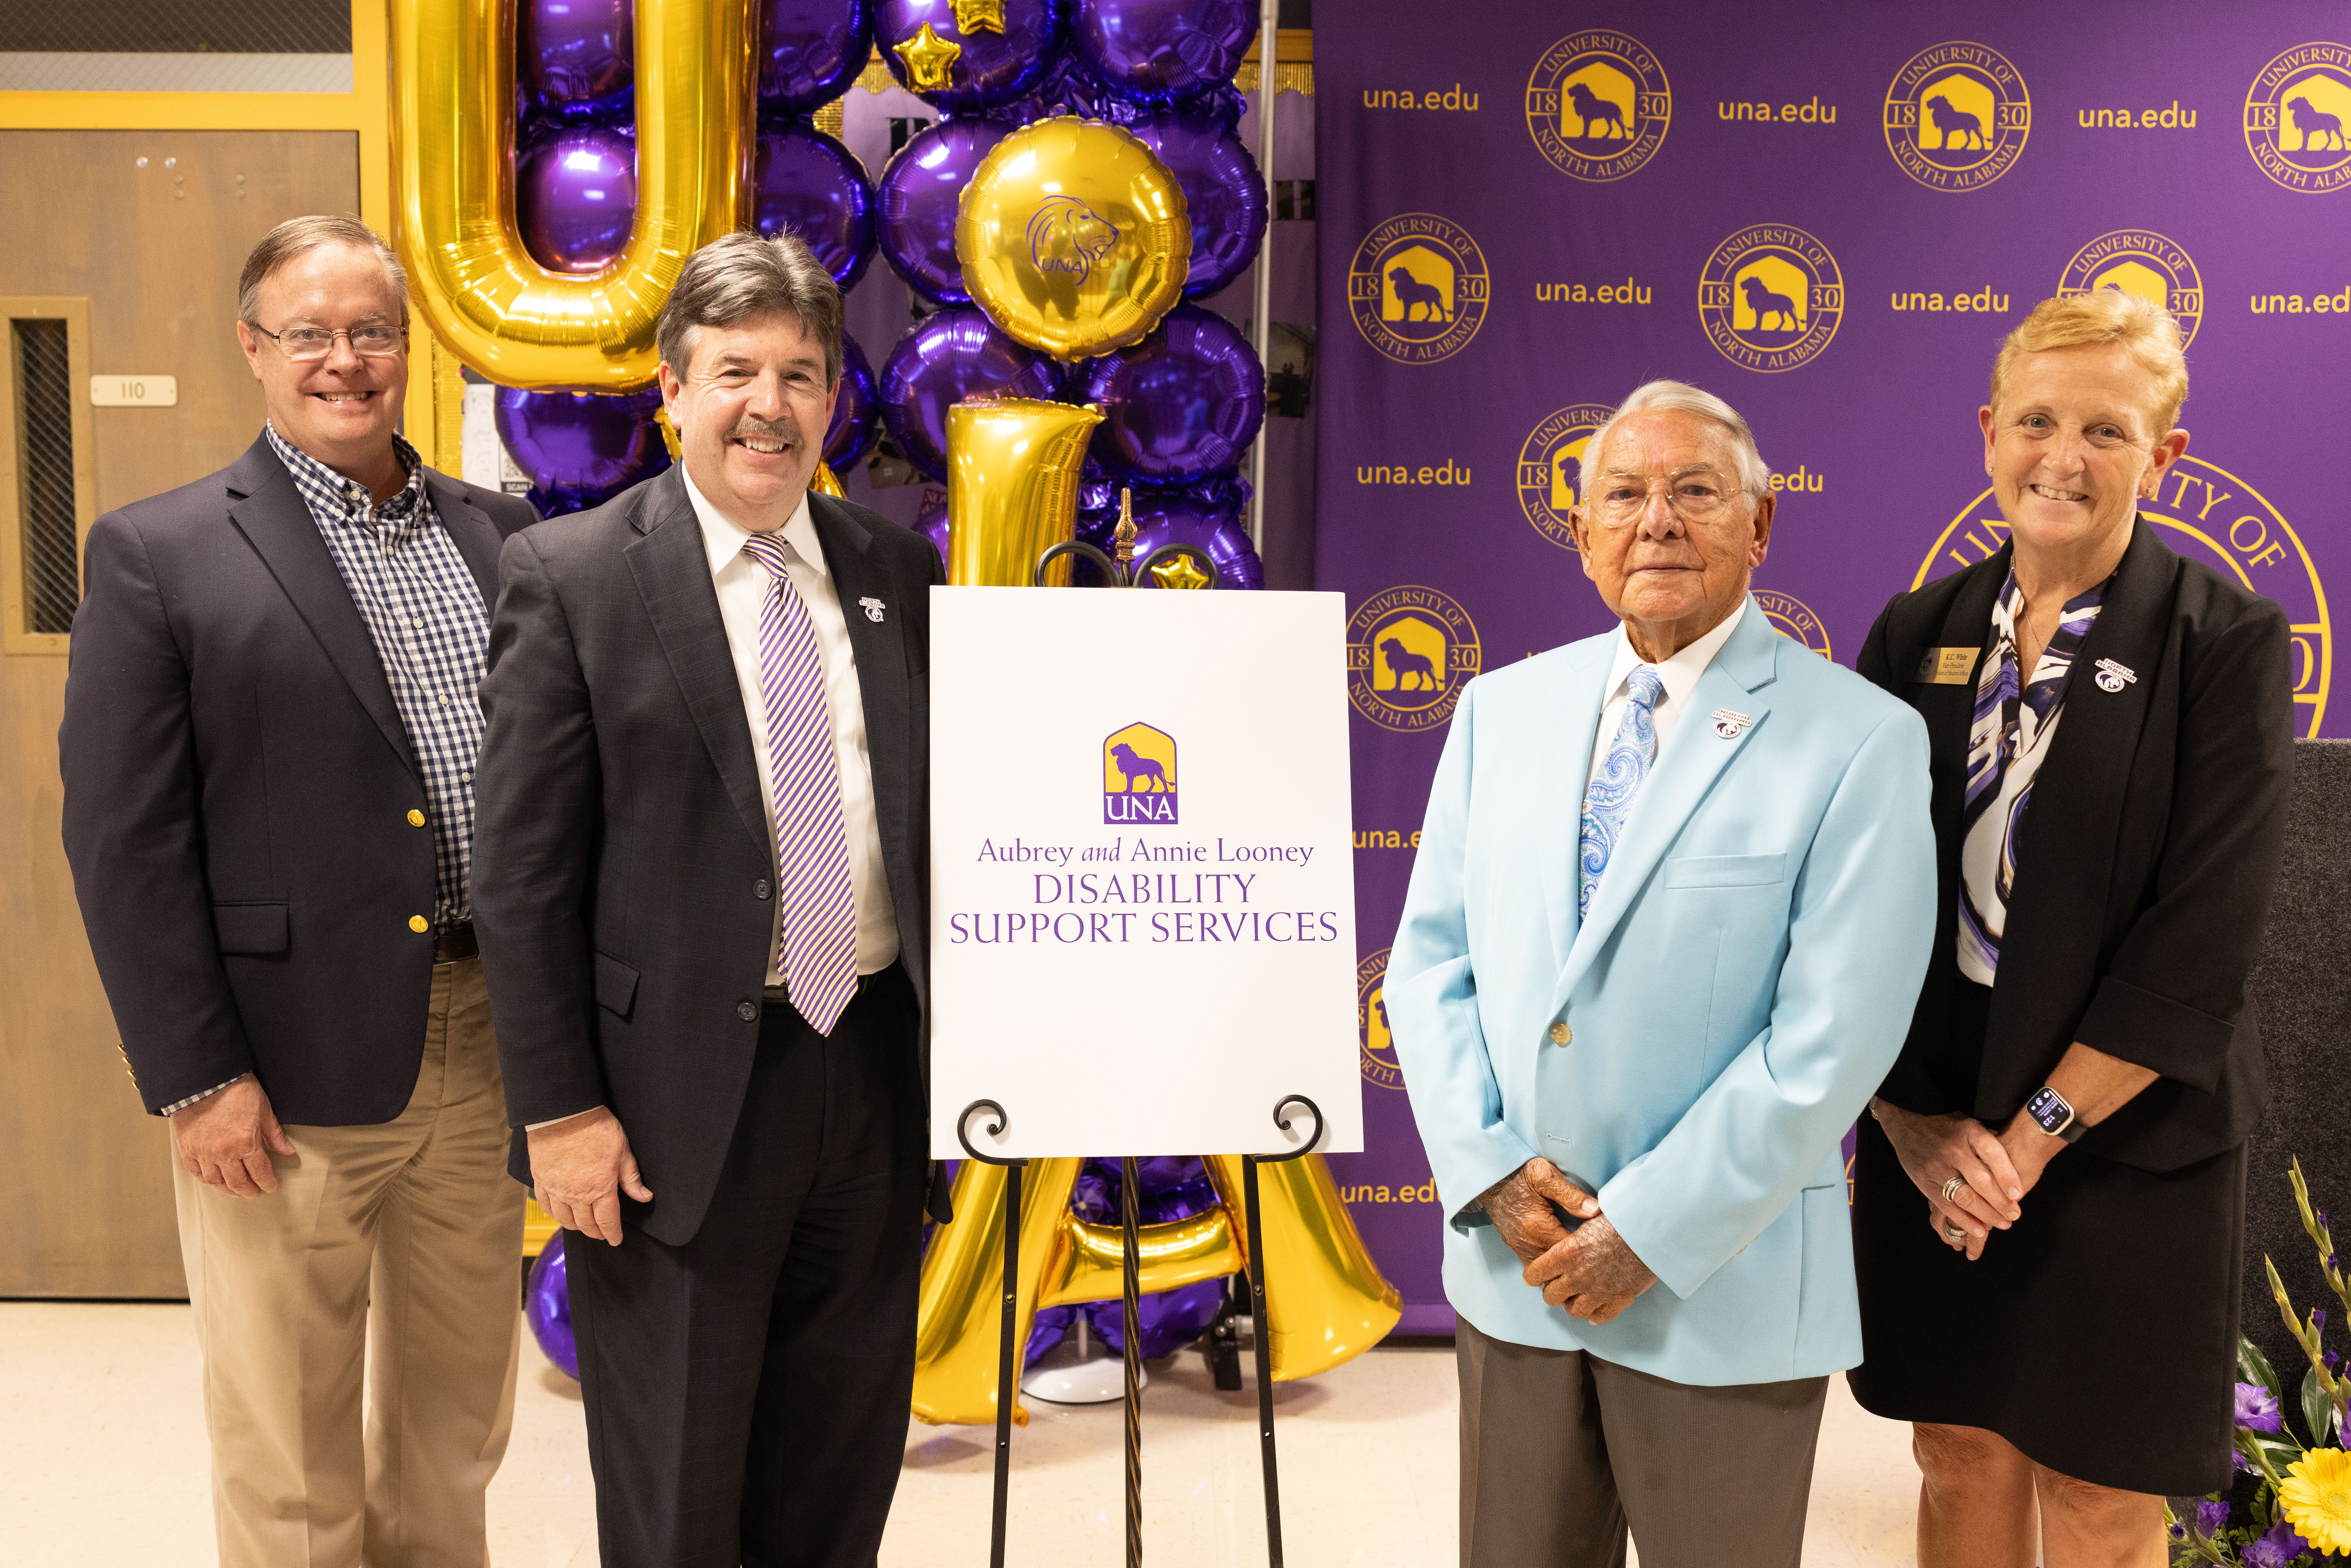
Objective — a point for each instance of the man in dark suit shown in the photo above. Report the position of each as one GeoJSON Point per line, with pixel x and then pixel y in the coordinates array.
{"type": "Point", "coordinates": [268, 748]}
{"type": "Point", "coordinates": [703, 880]}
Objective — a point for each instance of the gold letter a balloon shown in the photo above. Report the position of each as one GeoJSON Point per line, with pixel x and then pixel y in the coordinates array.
{"type": "Point", "coordinates": [1073, 237]}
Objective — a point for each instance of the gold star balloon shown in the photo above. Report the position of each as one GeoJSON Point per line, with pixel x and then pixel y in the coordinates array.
{"type": "Point", "coordinates": [928, 58]}
{"type": "Point", "coordinates": [1073, 237]}
{"type": "Point", "coordinates": [1178, 571]}
{"type": "Point", "coordinates": [978, 16]}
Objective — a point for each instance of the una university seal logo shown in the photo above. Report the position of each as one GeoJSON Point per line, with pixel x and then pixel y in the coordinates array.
{"type": "Point", "coordinates": [1549, 463]}
{"type": "Point", "coordinates": [2211, 515]}
{"type": "Point", "coordinates": [1957, 117]}
{"type": "Point", "coordinates": [1771, 298]}
{"type": "Point", "coordinates": [1379, 1056]}
{"type": "Point", "coordinates": [1139, 776]}
{"type": "Point", "coordinates": [1597, 105]}
{"type": "Point", "coordinates": [2140, 262]}
{"type": "Point", "coordinates": [1793, 619]}
{"type": "Point", "coordinates": [1417, 288]}
{"type": "Point", "coordinates": [2295, 115]}
{"type": "Point", "coordinates": [1409, 649]}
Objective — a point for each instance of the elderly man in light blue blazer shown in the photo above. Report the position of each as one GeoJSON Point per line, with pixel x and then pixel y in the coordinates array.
{"type": "Point", "coordinates": [1672, 907]}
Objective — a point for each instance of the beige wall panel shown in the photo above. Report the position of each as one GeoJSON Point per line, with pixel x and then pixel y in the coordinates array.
{"type": "Point", "coordinates": [156, 249]}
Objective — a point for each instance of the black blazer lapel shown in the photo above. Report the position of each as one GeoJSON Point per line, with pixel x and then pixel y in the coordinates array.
{"type": "Point", "coordinates": [476, 538]}
{"type": "Point", "coordinates": [880, 648]}
{"type": "Point", "coordinates": [672, 571]}
{"type": "Point", "coordinates": [2065, 853]}
{"type": "Point", "coordinates": [270, 512]}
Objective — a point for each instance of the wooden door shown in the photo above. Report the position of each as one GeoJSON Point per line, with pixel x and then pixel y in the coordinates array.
{"type": "Point", "coordinates": [132, 240]}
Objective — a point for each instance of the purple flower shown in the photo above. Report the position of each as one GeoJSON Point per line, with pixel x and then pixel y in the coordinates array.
{"type": "Point", "coordinates": [2328, 1357]}
{"type": "Point", "coordinates": [2334, 1264]}
{"type": "Point", "coordinates": [2179, 1531]}
{"type": "Point", "coordinates": [2317, 1318]}
{"type": "Point", "coordinates": [2244, 1464]}
{"type": "Point", "coordinates": [2212, 1516]}
{"type": "Point", "coordinates": [2257, 1409]}
{"type": "Point", "coordinates": [2279, 1547]}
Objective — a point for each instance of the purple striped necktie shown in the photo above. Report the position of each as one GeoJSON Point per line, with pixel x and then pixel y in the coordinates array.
{"type": "Point", "coordinates": [817, 949]}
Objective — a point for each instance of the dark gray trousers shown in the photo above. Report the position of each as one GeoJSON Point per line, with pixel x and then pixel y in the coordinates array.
{"type": "Point", "coordinates": [1561, 1450]}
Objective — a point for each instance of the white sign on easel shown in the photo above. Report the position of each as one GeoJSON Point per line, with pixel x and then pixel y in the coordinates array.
{"type": "Point", "coordinates": [1142, 909]}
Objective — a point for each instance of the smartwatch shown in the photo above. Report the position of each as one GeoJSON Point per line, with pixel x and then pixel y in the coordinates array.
{"type": "Point", "coordinates": [2054, 1117]}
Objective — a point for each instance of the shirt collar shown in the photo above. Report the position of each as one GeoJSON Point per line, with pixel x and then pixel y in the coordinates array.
{"type": "Point", "coordinates": [722, 536]}
{"type": "Point", "coordinates": [327, 493]}
{"type": "Point", "coordinates": [1680, 673]}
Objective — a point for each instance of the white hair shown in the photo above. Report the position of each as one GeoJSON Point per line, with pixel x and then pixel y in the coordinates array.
{"type": "Point", "coordinates": [1680, 397]}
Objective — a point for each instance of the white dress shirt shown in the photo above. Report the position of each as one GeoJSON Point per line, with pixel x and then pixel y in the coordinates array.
{"type": "Point", "coordinates": [1679, 675]}
{"type": "Point", "coordinates": [743, 587]}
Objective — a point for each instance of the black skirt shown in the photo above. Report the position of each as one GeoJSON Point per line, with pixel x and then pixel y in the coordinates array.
{"type": "Point", "coordinates": [2098, 1335]}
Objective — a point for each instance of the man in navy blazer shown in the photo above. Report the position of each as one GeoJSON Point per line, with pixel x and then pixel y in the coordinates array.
{"type": "Point", "coordinates": [1665, 931]}
{"type": "Point", "coordinates": [271, 724]}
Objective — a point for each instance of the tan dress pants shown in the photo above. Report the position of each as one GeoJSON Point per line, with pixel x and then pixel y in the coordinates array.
{"type": "Point", "coordinates": [1561, 1450]}
{"type": "Point", "coordinates": [387, 1259]}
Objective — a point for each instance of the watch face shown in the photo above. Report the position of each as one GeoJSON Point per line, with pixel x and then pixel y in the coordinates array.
{"type": "Point", "coordinates": [2049, 1109]}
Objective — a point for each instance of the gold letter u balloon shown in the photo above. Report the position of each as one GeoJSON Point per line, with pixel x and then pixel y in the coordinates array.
{"type": "Point", "coordinates": [453, 92]}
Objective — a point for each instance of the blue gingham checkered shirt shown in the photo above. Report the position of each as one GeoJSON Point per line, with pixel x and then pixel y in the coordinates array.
{"type": "Point", "coordinates": [425, 610]}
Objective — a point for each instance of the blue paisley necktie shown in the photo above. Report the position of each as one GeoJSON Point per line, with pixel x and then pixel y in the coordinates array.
{"type": "Point", "coordinates": [1609, 801]}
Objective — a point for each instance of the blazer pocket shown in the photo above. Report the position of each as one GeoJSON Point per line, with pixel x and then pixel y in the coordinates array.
{"type": "Point", "coordinates": [616, 986]}
{"type": "Point", "coordinates": [1726, 871]}
{"type": "Point", "coordinates": [250, 927]}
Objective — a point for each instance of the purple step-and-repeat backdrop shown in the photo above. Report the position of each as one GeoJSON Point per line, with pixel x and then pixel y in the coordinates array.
{"type": "Point", "coordinates": [1830, 216]}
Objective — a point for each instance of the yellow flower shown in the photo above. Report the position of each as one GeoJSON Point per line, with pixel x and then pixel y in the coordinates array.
{"type": "Point", "coordinates": [2316, 1494]}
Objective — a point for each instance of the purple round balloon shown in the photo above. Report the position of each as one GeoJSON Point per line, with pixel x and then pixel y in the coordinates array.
{"type": "Point", "coordinates": [931, 522]}
{"type": "Point", "coordinates": [577, 58]}
{"type": "Point", "coordinates": [1162, 51]}
{"type": "Point", "coordinates": [576, 197]}
{"type": "Point", "coordinates": [944, 358]}
{"type": "Point", "coordinates": [547, 1308]}
{"type": "Point", "coordinates": [995, 67]}
{"type": "Point", "coordinates": [1223, 194]}
{"type": "Point", "coordinates": [806, 182]}
{"type": "Point", "coordinates": [921, 198]}
{"type": "Point", "coordinates": [851, 433]}
{"type": "Point", "coordinates": [1180, 405]}
{"type": "Point", "coordinates": [1209, 517]}
{"type": "Point", "coordinates": [581, 449]}
{"type": "Point", "coordinates": [810, 50]}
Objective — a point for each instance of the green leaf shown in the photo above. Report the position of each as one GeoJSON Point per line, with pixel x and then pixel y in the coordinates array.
{"type": "Point", "coordinates": [2317, 1409]}
{"type": "Point", "coordinates": [2252, 1366]}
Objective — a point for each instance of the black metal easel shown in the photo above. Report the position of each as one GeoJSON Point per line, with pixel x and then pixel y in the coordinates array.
{"type": "Point", "coordinates": [1132, 1274]}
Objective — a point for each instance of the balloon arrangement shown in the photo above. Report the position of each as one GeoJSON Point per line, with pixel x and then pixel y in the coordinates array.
{"type": "Point", "coordinates": [1085, 178]}
{"type": "Point", "coordinates": [575, 201]}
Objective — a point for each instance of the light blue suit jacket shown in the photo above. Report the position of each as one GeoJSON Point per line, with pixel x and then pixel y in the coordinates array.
{"type": "Point", "coordinates": [1743, 982]}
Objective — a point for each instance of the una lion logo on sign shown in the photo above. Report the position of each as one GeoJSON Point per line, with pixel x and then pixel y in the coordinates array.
{"type": "Point", "coordinates": [1139, 776]}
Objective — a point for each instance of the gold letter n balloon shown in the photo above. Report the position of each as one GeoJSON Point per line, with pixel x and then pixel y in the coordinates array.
{"type": "Point", "coordinates": [453, 97]}
{"type": "Point", "coordinates": [1073, 237]}
{"type": "Point", "coordinates": [1325, 1300]}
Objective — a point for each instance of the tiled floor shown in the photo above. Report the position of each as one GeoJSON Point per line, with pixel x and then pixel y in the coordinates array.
{"type": "Point", "coordinates": [102, 1464]}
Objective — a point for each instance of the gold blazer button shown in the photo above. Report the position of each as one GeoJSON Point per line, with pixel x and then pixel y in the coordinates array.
{"type": "Point", "coordinates": [418, 923]}
{"type": "Point", "coordinates": [1560, 1034]}
{"type": "Point", "coordinates": [415, 818]}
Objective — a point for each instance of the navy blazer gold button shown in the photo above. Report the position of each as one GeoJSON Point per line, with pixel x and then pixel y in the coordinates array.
{"type": "Point", "coordinates": [415, 818]}
{"type": "Point", "coordinates": [747, 1011]}
{"type": "Point", "coordinates": [417, 922]}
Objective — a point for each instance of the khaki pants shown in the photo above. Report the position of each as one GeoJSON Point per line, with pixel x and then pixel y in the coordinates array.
{"type": "Point", "coordinates": [388, 1257]}
{"type": "Point", "coordinates": [1561, 1450]}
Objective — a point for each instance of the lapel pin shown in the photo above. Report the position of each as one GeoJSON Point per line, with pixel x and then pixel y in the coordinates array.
{"type": "Point", "coordinates": [1731, 724]}
{"type": "Point", "coordinates": [872, 609]}
{"type": "Point", "coordinates": [2114, 677]}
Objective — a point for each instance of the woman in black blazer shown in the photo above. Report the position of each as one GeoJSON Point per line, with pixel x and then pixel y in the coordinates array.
{"type": "Point", "coordinates": [2111, 741]}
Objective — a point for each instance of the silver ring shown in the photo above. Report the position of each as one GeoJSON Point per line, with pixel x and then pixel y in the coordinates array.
{"type": "Point", "coordinates": [1955, 1233]}
{"type": "Point", "coordinates": [1951, 1189]}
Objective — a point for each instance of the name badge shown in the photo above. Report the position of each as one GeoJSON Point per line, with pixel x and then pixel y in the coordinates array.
{"type": "Point", "coordinates": [1948, 667]}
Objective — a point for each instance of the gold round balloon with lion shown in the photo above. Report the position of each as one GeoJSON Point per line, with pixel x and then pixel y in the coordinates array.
{"type": "Point", "coordinates": [1073, 237]}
